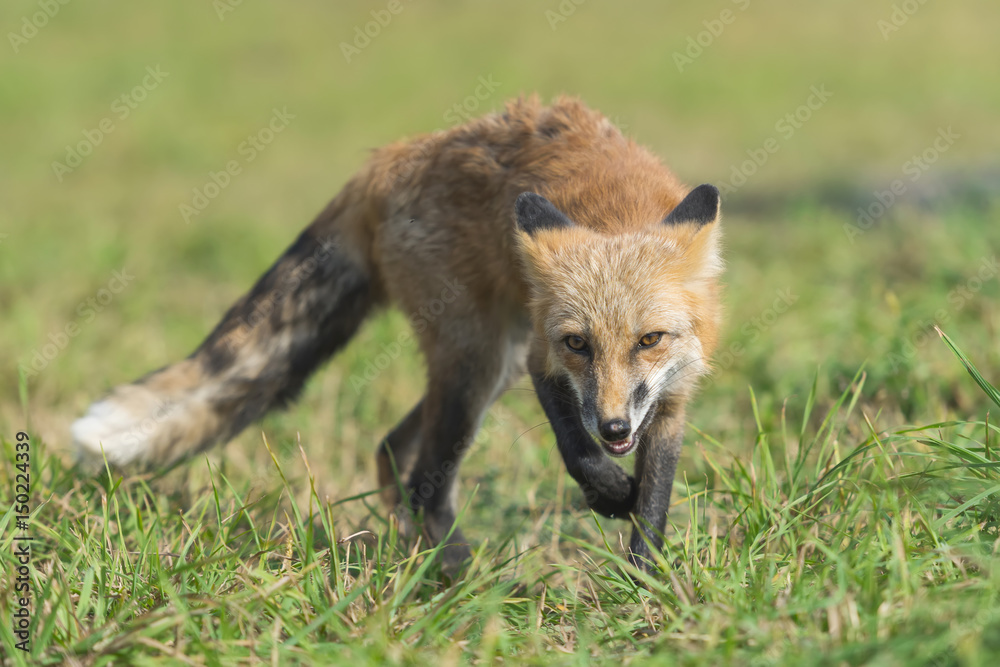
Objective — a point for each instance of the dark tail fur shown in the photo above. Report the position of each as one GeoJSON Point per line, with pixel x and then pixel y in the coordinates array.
{"type": "Point", "coordinates": [305, 308]}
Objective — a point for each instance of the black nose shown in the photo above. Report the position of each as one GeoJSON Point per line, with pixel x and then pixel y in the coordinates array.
{"type": "Point", "coordinates": [614, 430]}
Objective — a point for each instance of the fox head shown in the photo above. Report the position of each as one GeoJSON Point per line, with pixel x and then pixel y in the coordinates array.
{"type": "Point", "coordinates": [627, 320]}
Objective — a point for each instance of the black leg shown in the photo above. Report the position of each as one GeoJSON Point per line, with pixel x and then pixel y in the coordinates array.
{"type": "Point", "coordinates": [607, 488]}
{"type": "Point", "coordinates": [397, 454]}
{"type": "Point", "coordinates": [450, 416]}
{"type": "Point", "coordinates": [659, 451]}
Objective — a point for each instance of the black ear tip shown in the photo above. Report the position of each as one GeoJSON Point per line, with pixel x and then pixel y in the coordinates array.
{"type": "Point", "coordinates": [525, 196]}
{"type": "Point", "coordinates": [700, 206]}
{"type": "Point", "coordinates": [529, 201]}
{"type": "Point", "coordinates": [534, 212]}
{"type": "Point", "coordinates": [708, 194]}
{"type": "Point", "coordinates": [709, 190]}
{"type": "Point", "coordinates": [528, 208]}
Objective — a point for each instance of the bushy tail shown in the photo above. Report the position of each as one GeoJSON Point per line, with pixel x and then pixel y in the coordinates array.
{"type": "Point", "coordinates": [306, 307]}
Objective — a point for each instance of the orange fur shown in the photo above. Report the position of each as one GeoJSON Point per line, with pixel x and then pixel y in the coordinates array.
{"type": "Point", "coordinates": [434, 216]}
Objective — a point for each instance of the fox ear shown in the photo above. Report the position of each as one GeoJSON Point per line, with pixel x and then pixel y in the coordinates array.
{"type": "Point", "coordinates": [700, 207]}
{"type": "Point", "coordinates": [535, 212]}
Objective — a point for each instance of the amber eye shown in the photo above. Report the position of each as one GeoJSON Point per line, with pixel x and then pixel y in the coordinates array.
{"type": "Point", "coordinates": [576, 343]}
{"type": "Point", "coordinates": [650, 339]}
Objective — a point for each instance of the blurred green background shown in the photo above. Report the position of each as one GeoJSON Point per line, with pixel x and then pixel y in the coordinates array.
{"type": "Point", "coordinates": [857, 143]}
{"type": "Point", "coordinates": [705, 85]}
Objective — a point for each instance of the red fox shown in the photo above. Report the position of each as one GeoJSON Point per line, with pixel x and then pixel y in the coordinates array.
{"type": "Point", "coordinates": [566, 250]}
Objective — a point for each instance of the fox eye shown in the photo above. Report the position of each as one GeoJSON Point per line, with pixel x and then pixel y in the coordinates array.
{"type": "Point", "coordinates": [576, 343]}
{"type": "Point", "coordinates": [650, 339]}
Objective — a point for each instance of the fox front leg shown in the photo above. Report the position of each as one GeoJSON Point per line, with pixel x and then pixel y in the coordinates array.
{"type": "Point", "coordinates": [656, 465]}
{"type": "Point", "coordinates": [607, 488]}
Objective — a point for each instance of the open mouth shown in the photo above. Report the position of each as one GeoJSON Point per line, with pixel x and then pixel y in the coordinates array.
{"type": "Point", "coordinates": [620, 448]}
{"type": "Point", "coordinates": [627, 446]}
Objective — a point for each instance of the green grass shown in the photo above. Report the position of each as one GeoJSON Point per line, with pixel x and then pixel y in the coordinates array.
{"type": "Point", "coordinates": [806, 551]}
{"type": "Point", "coordinates": [821, 515]}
